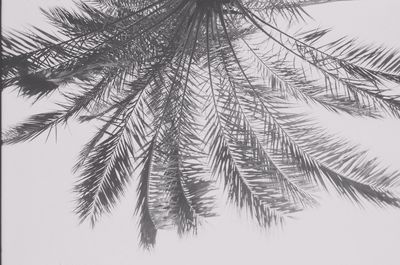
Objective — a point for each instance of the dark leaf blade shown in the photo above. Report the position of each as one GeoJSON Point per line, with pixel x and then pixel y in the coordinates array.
{"type": "Point", "coordinates": [32, 127]}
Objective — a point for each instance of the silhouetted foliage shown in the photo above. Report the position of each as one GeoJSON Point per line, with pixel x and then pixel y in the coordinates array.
{"type": "Point", "coordinates": [185, 90]}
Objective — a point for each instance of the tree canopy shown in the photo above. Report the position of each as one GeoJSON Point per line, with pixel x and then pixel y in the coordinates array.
{"type": "Point", "coordinates": [190, 89]}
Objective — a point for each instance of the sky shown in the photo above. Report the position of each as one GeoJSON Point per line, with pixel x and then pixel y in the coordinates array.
{"type": "Point", "coordinates": [40, 228]}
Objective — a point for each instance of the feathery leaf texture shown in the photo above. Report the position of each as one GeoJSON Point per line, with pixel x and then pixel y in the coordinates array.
{"type": "Point", "coordinates": [188, 98]}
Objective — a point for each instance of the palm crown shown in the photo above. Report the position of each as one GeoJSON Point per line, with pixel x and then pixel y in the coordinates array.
{"type": "Point", "coordinates": [185, 90]}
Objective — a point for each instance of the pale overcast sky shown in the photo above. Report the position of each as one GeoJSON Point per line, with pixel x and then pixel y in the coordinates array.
{"type": "Point", "coordinates": [40, 229]}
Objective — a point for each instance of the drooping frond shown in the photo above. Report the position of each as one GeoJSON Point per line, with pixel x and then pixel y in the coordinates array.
{"type": "Point", "coordinates": [185, 89]}
{"type": "Point", "coordinates": [267, 189]}
{"type": "Point", "coordinates": [345, 184]}
{"type": "Point", "coordinates": [31, 128]}
{"type": "Point", "coordinates": [56, 60]}
{"type": "Point", "coordinates": [185, 172]}
{"type": "Point", "coordinates": [278, 73]}
{"type": "Point", "coordinates": [354, 80]}
{"type": "Point", "coordinates": [370, 62]}
{"type": "Point", "coordinates": [188, 189]}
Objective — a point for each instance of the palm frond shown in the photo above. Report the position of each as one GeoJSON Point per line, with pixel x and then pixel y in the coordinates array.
{"type": "Point", "coordinates": [370, 62]}
{"type": "Point", "coordinates": [346, 185]}
{"type": "Point", "coordinates": [32, 127]}
{"type": "Point", "coordinates": [183, 90]}
{"type": "Point", "coordinates": [357, 83]}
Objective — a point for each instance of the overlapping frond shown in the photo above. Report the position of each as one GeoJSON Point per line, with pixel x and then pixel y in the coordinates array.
{"type": "Point", "coordinates": [185, 165]}
{"type": "Point", "coordinates": [344, 183]}
{"type": "Point", "coordinates": [355, 81]}
{"type": "Point", "coordinates": [268, 189]}
{"type": "Point", "coordinates": [289, 10]}
{"type": "Point", "coordinates": [368, 61]}
{"type": "Point", "coordinates": [184, 89]}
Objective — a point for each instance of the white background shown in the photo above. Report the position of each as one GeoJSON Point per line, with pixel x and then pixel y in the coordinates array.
{"type": "Point", "coordinates": [40, 228]}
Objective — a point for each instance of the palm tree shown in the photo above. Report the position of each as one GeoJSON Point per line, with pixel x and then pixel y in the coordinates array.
{"type": "Point", "coordinates": [184, 90]}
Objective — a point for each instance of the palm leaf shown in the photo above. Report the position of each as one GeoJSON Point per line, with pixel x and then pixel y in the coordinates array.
{"type": "Point", "coordinates": [174, 83]}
